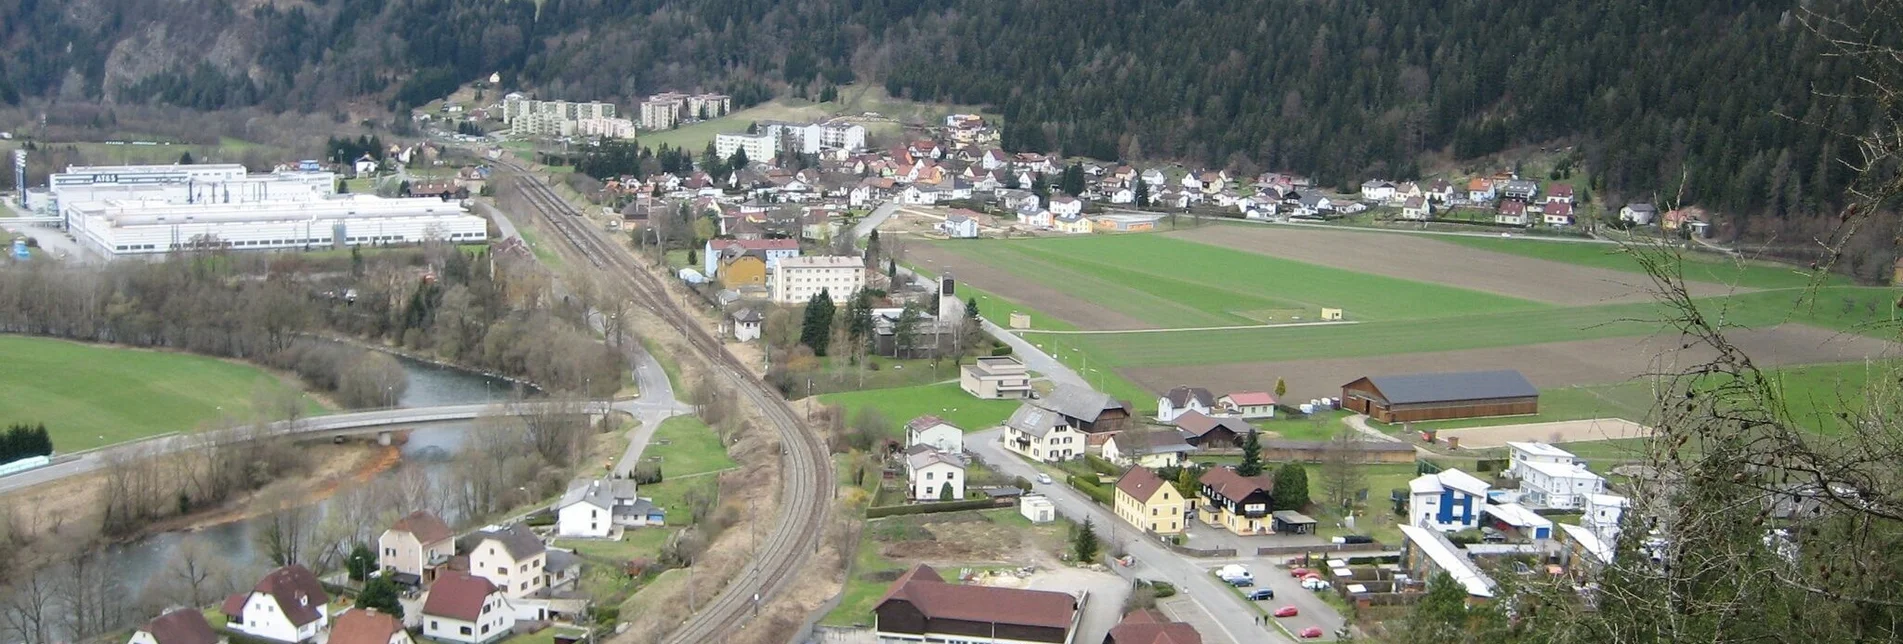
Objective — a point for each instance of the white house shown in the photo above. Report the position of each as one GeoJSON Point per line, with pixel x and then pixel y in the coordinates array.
{"type": "Point", "coordinates": [287, 605]}
{"type": "Point", "coordinates": [1639, 214]}
{"type": "Point", "coordinates": [1036, 217]}
{"type": "Point", "coordinates": [181, 626]}
{"type": "Point", "coordinates": [935, 433]}
{"type": "Point", "coordinates": [1557, 213]}
{"type": "Point", "coordinates": [1042, 435]}
{"type": "Point", "coordinates": [511, 558]}
{"type": "Point", "coordinates": [928, 472]}
{"type": "Point", "coordinates": [746, 325]}
{"type": "Point", "coordinates": [1417, 208]}
{"type": "Point", "coordinates": [1448, 501]}
{"type": "Point", "coordinates": [1123, 196]}
{"type": "Point", "coordinates": [1521, 453]}
{"type": "Point", "coordinates": [958, 226]}
{"type": "Point", "coordinates": [467, 609]}
{"type": "Point", "coordinates": [1377, 191]}
{"type": "Point", "coordinates": [1151, 449]}
{"type": "Point", "coordinates": [916, 195]}
{"type": "Point", "coordinates": [1246, 404]}
{"type": "Point", "coordinates": [1558, 485]}
{"type": "Point", "coordinates": [600, 508]}
{"type": "Point", "coordinates": [1602, 515]}
{"type": "Point", "coordinates": [366, 165]}
{"type": "Point", "coordinates": [415, 546]}
{"type": "Point", "coordinates": [1066, 205]}
{"type": "Point", "coordinates": [369, 626]}
{"type": "Point", "coordinates": [1183, 399]}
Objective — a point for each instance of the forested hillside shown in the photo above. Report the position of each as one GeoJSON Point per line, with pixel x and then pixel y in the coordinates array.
{"type": "Point", "coordinates": [1710, 91]}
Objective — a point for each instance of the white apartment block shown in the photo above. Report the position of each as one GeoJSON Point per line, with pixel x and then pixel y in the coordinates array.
{"type": "Point", "coordinates": [542, 124]}
{"type": "Point", "coordinates": [759, 147]}
{"type": "Point", "coordinates": [798, 279]}
{"type": "Point", "coordinates": [608, 128]}
{"type": "Point", "coordinates": [843, 136]}
{"type": "Point", "coordinates": [668, 109]}
{"type": "Point", "coordinates": [709, 106]}
{"type": "Point", "coordinates": [803, 138]}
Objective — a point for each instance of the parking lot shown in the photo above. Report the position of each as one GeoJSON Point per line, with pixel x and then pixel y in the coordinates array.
{"type": "Point", "coordinates": [1269, 573]}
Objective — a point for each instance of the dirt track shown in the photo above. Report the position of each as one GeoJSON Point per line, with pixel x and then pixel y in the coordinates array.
{"type": "Point", "coordinates": [1565, 431]}
{"type": "Point", "coordinates": [1081, 312]}
{"type": "Point", "coordinates": [1425, 259]}
{"type": "Point", "coordinates": [1556, 364]}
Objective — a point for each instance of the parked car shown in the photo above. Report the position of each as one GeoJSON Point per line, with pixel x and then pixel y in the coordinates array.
{"type": "Point", "coordinates": [1311, 632]}
{"type": "Point", "coordinates": [1299, 573]}
{"type": "Point", "coordinates": [1044, 479]}
{"type": "Point", "coordinates": [1287, 611]}
{"type": "Point", "coordinates": [1314, 583]}
{"type": "Point", "coordinates": [1236, 575]}
{"type": "Point", "coordinates": [1260, 594]}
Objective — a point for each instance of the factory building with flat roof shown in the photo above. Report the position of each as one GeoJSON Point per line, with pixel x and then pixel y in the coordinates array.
{"type": "Point", "coordinates": [127, 227]}
{"type": "Point", "coordinates": [184, 184]}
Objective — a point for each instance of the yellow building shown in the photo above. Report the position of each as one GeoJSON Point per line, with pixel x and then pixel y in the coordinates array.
{"type": "Point", "coordinates": [1148, 502]}
{"type": "Point", "coordinates": [741, 271]}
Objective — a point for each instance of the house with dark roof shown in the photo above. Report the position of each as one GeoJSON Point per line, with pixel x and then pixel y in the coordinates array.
{"type": "Point", "coordinates": [1180, 400]}
{"type": "Point", "coordinates": [466, 608]}
{"type": "Point", "coordinates": [602, 508]}
{"type": "Point", "coordinates": [1147, 448]}
{"type": "Point", "coordinates": [1147, 626]}
{"type": "Point", "coordinates": [1212, 432]}
{"type": "Point", "coordinates": [287, 605]}
{"type": "Point", "coordinates": [1234, 502]}
{"type": "Point", "coordinates": [933, 475]}
{"type": "Point", "coordinates": [1088, 411]}
{"type": "Point", "coordinates": [1150, 503]}
{"type": "Point", "coordinates": [921, 607]}
{"type": "Point", "coordinates": [935, 432]}
{"type": "Point", "coordinates": [1043, 435]}
{"type": "Point", "coordinates": [1441, 396]}
{"type": "Point", "coordinates": [415, 547]}
{"type": "Point", "coordinates": [511, 557]}
{"type": "Point", "coordinates": [181, 626]}
{"type": "Point", "coordinates": [368, 626]}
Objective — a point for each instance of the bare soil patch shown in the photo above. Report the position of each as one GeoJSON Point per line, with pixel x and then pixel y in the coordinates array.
{"type": "Point", "coordinates": [1554, 364]}
{"type": "Point", "coordinates": [1565, 431]}
{"type": "Point", "coordinates": [1422, 258]}
{"type": "Point", "coordinates": [1081, 312]}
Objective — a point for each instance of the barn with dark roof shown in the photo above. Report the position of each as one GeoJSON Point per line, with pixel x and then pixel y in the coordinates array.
{"type": "Point", "coordinates": [1442, 396]}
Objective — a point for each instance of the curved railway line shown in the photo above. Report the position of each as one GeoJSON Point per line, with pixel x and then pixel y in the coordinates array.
{"type": "Point", "coordinates": [806, 483]}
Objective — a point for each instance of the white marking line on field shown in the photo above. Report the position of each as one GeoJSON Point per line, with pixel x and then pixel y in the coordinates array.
{"type": "Point", "coordinates": [1283, 325]}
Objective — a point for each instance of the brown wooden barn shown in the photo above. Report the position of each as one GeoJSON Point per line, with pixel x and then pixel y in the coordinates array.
{"type": "Point", "coordinates": [1441, 396]}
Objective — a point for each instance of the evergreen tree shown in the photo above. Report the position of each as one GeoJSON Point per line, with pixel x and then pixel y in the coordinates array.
{"type": "Point", "coordinates": [693, 257]}
{"type": "Point", "coordinates": [872, 248]}
{"type": "Point", "coordinates": [1291, 488]}
{"type": "Point", "coordinates": [361, 563]}
{"type": "Point", "coordinates": [905, 331]}
{"type": "Point", "coordinates": [1083, 545]}
{"type": "Point", "coordinates": [1041, 187]}
{"type": "Point", "coordinates": [738, 161]}
{"type": "Point", "coordinates": [186, 158]}
{"type": "Point", "coordinates": [859, 317]}
{"type": "Point", "coordinates": [1443, 615]}
{"type": "Point", "coordinates": [1142, 194]}
{"type": "Point", "coordinates": [381, 593]}
{"type": "Point", "coordinates": [945, 492]}
{"type": "Point", "coordinates": [1251, 455]}
{"type": "Point", "coordinates": [1186, 483]}
{"type": "Point", "coordinates": [816, 331]}
{"type": "Point", "coordinates": [971, 309]}
{"type": "Point", "coordinates": [892, 272]}
{"type": "Point", "coordinates": [1281, 389]}
{"type": "Point", "coordinates": [1072, 181]}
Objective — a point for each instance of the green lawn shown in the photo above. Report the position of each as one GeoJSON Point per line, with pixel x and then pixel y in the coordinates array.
{"type": "Point", "coordinates": [866, 584]}
{"type": "Point", "coordinates": [1376, 518]}
{"type": "Point", "coordinates": [93, 395]}
{"type": "Point", "coordinates": [685, 446]}
{"type": "Point", "coordinates": [545, 636]}
{"type": "Point", "coordinates": [1176, 283]}
{"type": "Point", "coordinates": [1699, 265]}
{"type": "Point", "coordinates": [671, 494]}
{"type": "Point", "coordinates": [634, 544]}
{"type": "Point", "coordinates": [543, 253]}
{"type": "Point", "coordinates": [946, 401]}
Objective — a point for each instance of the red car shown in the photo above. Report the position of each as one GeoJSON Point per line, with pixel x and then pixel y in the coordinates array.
{"type": "Point", "coordinates": [1299, 573]}
{"type": "Point", "coordinates": [1311, 632]}
{"type": "Point", "coordinates": [1286, 611]}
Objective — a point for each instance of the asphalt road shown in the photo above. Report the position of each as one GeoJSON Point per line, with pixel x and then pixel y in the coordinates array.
{"type": "Point", "coordinates": [1228, 612]}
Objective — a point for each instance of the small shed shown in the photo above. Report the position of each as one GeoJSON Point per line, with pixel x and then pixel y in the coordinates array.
{"type": "Point", "coordinates": [1292, 522]}
{"type": "Point", "coordinates": [1037, 508]}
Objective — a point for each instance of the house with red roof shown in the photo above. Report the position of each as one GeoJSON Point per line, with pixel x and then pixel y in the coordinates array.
{"type": "Point", "coordinates": [287, 605]}
{"type": "Point", "coordinates": [1148, 626]}
{"type": "Point", "coordinates": [465, 608]}
{"type": "Point", "coordinates": [1246, 404]}
{"type": "Point", "coordinates": [922, 606]}
{"type": "Point", "coordinates": [415, 546]}
{"type": "Point", "coordinates": [181, 626]}
{"type": "Point", "coordinates": [368, 626]}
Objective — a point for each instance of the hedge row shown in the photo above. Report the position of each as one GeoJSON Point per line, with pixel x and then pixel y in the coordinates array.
{"type": "Point", "coordinates": [929, 508]}
{"type": "Point", "coordinates": [1090, 488]}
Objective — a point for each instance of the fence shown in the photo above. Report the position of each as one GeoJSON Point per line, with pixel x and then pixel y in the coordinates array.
{"type": "Point", "coordinates": [941, 506]}
{"type": "Point", "coordinates": [1200, 552]}
{"type": "Point", "coordinates": [1330, 547]}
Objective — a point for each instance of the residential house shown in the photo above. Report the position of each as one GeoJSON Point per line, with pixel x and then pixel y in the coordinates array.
{"type": "Point", "coordinates": [1313, 204]}
{"type": "Point", "coordinates": [934, 432]}
{"type": "Point", "coordinates": [1407, 190]}
{"type": "Point", "coordinates": [1073, 224]}
{"type": "Point", "coordinates": [1522, 453]}
{"type": "Point", "coordinates": [1557, 213]}
{"type": "Point", "coordinates": [1582, 552]}
{"type": "Point", "coordinates": [368, 626]}
{"type": "Point", "coordinates": [1511, 213]}
{"type": "Point", "coordinates": [1088, 411]}
{"type": "Point", "coordinates": [959, 226]}
{"type": "Point", "coordinates": [921, 607]}
{"type": "Point", "coordinates": [1043, 435]}
{"type": "Point", "coordinates": [365, 165]}
{"type": "Point", "coordinates": [1686, 217]}
{"type": "Point", "coordinates": [1155, 178]}
{"type": "Point", "coordinates": [1521, 189]}
{"type": "Point", "coordinates": [1066, 205]}
{"type": "Point", "coordinates": [1560, 486]}
{"type": "Point", "coordinates": [745, 270]}
{"type": "Point", "coordinates": [1441, 191]}
{"type": "Point", "coordinates": [1480, 190]}
{"type": "Point", "coordinates": [287, 605]}
{"type": "Point", "coordinates": [1417, 208]}
{"type": "Point", "coordinates": [1213, 182]}
{"type": "Point", "coordinates": [1603, 514]}
{"type": "Point", "coordinates": [933, 475]}
{"type": "Point", "coordinates": [467, 609]}
{"type": "Point", "coordinates": [180, 626]}
{"type": "Point", "coordinates": [601, 508]}
{"type": "Point", "coordinates": [1147, 448]}
{"type": "Point", "coordinates": [1377, 191]}
{"type": "Point", "coordinates": [1638, 214]}
{"type": "Point", "coordinates": [1247, 404]}
{"type": "Point", "coordinates": [1448, 501]}
{"type": "Point", "coordinates": [512, 558]}
{"type": "Point", "coordinates": [415, 547]}
{"type": "Point", "coordinates": [1148, 626]}
{"type": "Point", "coordinates": [995, 378]}
{"type": "Point", "coordinates": [919, 195]}
{"type": "Point", "coordinates": [1212, 432]}
{"type": "Point", "coordinates": [994, 159]}
{"type": "Point", "coordinates": [1233, 502]}
{"type": "Point", "coordinates": [1148, 502]}
{"type": "Point", "coordinates": [1183, 399]}
{"type": "Point", "coordinates": [1425, 553]}
{"type": "Point", "coordinates": [1012, 198]}
{"type": "Point", "coordinates": [746, 324]}
{"type": "Point", "coordinates": [1122, 196]}
{"type": "Point", "coordinates": [1559, 193]}
{"type": "Point", "coordinates": [1033, 215]}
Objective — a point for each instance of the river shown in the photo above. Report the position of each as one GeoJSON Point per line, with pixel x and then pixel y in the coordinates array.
{"type": "Point", "coordinates": [429, 386]}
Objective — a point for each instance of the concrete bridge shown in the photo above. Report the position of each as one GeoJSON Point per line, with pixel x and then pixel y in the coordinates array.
{"type": "Point", "coordinates": [382, 422]}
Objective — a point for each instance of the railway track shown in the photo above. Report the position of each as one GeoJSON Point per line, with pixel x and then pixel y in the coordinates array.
{"type": "Point", "coordinates": [806, 488]}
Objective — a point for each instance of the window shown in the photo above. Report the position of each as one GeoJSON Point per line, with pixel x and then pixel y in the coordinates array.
{"type": "Point", "coordinates": [389, 552]}
{"type": "Point", "coordinates": [464, 630]}
{"type": "Point", "coordinates": [502, 571]}
{"type": "Point", "coordinates": [485, 629]}
{"type": "Point", "coordinates": [434, 626]}
{"type": "Point", "coordinates": [525, 585]}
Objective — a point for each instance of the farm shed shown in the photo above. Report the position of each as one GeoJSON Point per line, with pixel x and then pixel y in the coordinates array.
{"type": "Point", "coordinates": [1442, 396]}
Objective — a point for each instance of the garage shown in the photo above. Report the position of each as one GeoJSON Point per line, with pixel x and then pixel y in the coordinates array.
{"type": "Point", "coordinates": [1442, 396]}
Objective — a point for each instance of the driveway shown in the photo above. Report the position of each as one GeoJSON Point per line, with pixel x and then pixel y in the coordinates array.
{"type": "Point", "coordinates": [872, 221]}
{"type": "Point", "coordinates": [1104, 607]}
{"type": "Point", "coordinates": [1228, 611]}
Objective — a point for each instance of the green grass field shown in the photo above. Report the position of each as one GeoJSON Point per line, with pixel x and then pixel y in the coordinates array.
{"type": "Point", "coordinates": [94, 395]}
{"type": "Point", "coordinates": [685, 446]}
{"type": "Point", "coordinates": [946, 401]}
{"type": "Point", "coordinates": [1698, 265]}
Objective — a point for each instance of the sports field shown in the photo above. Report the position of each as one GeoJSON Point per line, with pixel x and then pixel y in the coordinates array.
{"type": "Point", "coordinates": [1194, 307]}
{"type": "Point", "coordinates": [93, 395]}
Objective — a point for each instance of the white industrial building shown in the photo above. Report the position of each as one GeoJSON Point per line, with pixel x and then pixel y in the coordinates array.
{"type": "Point", "coordinates": [184, 184]}
{"type": "Point", "coordinates": [120, 227]}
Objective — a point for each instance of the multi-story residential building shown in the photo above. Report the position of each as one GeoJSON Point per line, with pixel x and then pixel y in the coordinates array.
{"type": "Point", "coordinates": [466, 609]}
{"type": "Point", "coordinates": [1148, 502]}
{"type": "Point", "coordinates": [1562, 486]}
{"type": "Point", "coordinates": [995, 377]}
{"type": "Point", "coordinates": [759, 147]}
{"type": "Point", "coordinates": [662, 111]}
{"type": "Point", "coordinates": [932, 475]}
{"type": "Point", "coordinates": [800, 138]}
{"type": "Point", "coordinates": [708, 106]}
{"type": "Point", "coordinates": [935, 433]}
{"type": "Point", "coordinates": [512, 558]}
{"type": "Point", "coordinates": [415, 547]}
{"type": "Point", "coordinates": [841, 135]}
{"type": "Point", "coordinates": [1448, 501]}
{"type": "Point", "coordinates": [287, 605]}
{"type": "Point", "coordinates": [1043, 435]}
{"type": "Point", "coordinates": [610, 128]}
{"type": "Point", "coordinates": [798, 279]}
{"type": "Point", "coordinates": [1237, 503]}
